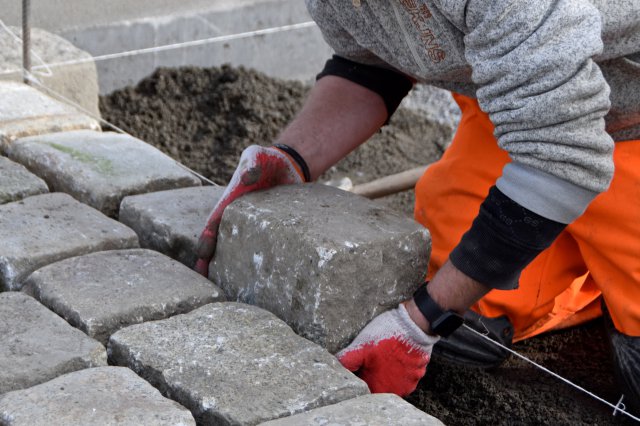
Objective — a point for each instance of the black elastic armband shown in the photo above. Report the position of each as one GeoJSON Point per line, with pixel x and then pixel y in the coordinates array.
{"type": "Point", "coordinates": [391, 85]}
{"type": "Point", "coordinates": [297, 158]}
{"type": "Point", "coordinates": [504, 238]}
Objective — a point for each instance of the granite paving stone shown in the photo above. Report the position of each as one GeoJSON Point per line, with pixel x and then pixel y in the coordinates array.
{"type": "Point", "coordinates": [26, 111]}
{"type": "Point", "coordinates": [324, 260]}
{"type": "Point", "coordinates": [232, 364]}
{"type": "Point", "coordinates": [45, 228]}
{"type": "Point", "coordinates": [105, 396]}
{"type": "Point", "coordinates": [17, 182]}
{"type": "Point", "coordinates": [369, 410]}
{"type": "Point", "coordinates": [171, 221]}
{"type": "Point", "coordinates": [99, 169]}
{"type": "Point", "coordinates": [37, 345]}
{"type": "Point", "coordinates": [100, 293]}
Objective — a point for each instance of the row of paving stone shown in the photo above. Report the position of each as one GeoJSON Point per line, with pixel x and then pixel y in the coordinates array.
{"type": "Point", "coordinates": [311, 266]}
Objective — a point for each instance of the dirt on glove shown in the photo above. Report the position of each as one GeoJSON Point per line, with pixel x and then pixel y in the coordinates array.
{"type": "Point", "coordinates": [205, 117]}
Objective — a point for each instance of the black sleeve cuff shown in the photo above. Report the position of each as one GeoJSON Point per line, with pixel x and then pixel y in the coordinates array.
{"type": "Point", "coordinates": [391, 85]}
{"type": "Point", "coordinates": [504, 238]}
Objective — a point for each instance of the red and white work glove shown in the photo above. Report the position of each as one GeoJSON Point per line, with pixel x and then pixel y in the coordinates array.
{"type": "Point", "coordinates": [390, 354]}
{"type": "Point", "coordinates": [259, 168]}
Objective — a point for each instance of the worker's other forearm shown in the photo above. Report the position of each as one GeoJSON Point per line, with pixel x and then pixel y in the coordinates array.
{"type": "Point", "coordinates": [451, 289]}
{"type": "Point", "coordinates": [336, 118]}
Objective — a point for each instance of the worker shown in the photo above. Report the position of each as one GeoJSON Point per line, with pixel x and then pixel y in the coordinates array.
{"type": "Point", "coordinates": [534, 209]}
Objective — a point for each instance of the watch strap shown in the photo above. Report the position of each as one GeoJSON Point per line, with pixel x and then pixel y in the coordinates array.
{"type": "Point", "coordinates": [441, 322]}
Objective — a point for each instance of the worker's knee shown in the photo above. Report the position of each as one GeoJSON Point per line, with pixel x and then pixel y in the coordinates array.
{"type": "Point", "coordinates": [626, 359]}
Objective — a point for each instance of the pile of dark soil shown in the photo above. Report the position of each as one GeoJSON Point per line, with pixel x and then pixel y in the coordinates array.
{"type": "Point", "coordinates": [204, 118]}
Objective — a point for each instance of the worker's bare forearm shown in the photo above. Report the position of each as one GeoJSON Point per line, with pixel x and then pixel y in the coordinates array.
{"type": "Point", "coordinates": [337, 117]}
{"type": "Point", "coordinates": [451, 289]}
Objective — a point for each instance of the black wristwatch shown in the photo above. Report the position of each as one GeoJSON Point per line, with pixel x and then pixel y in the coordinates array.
{"type": "Point", "coordinates": [441, 322]}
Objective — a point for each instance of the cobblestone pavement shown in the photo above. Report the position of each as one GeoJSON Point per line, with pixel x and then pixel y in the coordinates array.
{"type": "Point", "coordinates": [102, 320]}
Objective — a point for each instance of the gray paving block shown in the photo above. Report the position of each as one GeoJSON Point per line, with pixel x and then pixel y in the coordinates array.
{"type": "Point", "coordinates": [107, 396]}
{"type": "Point", "coordinates": [324, 260]}
{"type": "Point", "coordinates": [171, 221]}
{"type": "Point", "coordinates": [76, 82]}
{"type": "Point", "coordinates": [25, 111]}
{"type": "Point", "coordinates": [45, 228]}
{"type": "Point", "coordinates": [99, 169]}
{"type": "Point", "coordinates": [102, 292]}
{"type": "Point", "coordinates": [370, 410]}
{"type": "Point", "coordinates": [37, 345]}
{"type": "Point", "coordinates": [231, 364]}
{"type": "Point", "coordinates": [17, 182]}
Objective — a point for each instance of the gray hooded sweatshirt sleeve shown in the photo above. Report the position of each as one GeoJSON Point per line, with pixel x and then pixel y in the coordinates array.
{"type": "Point", "coordinates": [546, 98]}
{"type": "Point", "coordinates": [529, 63]}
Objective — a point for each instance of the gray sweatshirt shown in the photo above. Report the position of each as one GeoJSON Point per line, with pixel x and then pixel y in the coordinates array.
{"type": "Point", "coordinates": [549, 73]}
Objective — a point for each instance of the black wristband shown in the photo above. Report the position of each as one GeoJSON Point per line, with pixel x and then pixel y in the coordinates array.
{"type": "Point", "coordinates": [441, 322]}
{"type": "Point", "coordinates": [297, 158]}
{"type": "Point", "coordinates": [504, 238]}
{"type": "Point", "coordinates": [391, 85]}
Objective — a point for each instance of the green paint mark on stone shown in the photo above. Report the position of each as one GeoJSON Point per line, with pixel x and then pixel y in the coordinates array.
{"type": "Point", "coordinates": [101, 164]}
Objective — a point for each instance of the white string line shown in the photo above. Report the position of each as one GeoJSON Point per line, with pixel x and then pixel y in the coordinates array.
{"type": "Point", "coordinates": [616, 408]}
{"type": "Point", "coordinates": [161, 48]}
{"type": "Point", "coordinates": [113, 126]}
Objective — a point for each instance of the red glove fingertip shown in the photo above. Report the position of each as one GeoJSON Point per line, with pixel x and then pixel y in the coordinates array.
{"type": "Point", "coordinates": [202, 267]}
{"type": "Point", "coordinates": [352, 360]}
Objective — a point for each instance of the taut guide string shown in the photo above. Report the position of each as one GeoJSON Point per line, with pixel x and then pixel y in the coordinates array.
{"type": "Point", "coordinates": [200, 42]}
{"type": "Point", "coordinates": [619, 407]}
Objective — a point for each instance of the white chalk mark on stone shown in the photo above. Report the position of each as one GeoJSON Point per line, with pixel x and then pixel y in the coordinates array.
{"type": "Point", "coordinates": [325, 255]}
{"type": "Point", "coordinates": [257, 260]}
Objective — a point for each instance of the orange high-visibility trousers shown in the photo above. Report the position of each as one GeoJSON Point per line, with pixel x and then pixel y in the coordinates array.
{"type": "Point", "coordinates": [599, 253]}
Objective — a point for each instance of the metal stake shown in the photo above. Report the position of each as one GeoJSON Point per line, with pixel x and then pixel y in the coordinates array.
{"type": "Point", "coordinates": [26, 41]}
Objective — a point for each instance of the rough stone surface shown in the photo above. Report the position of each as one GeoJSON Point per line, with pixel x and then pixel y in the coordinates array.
{"type": "Point", "coordinates": [104, 395]}
{"type": "Point", "coordinates": [100, 293]}
{"type": "Point", "coordinates": [370, 410]}
{"type": "Point", "coordinates": [25, 111]}
{"type": "Point", "coordinates": [45, 228]}
{"type": "Point", "coordinates": [17, 182]}
{"type": "Point", "coordinates": [231, 364]}
{"type": "Point", "coordinates": [97, 168]}
{"type": "Point", "coordinates": [76, 82]}
{"type": "Point", "coordinates": [171, 221]}
{"type": "Point", "coordinates": [37, 345]}
{"type": "Point", "coordinates": [323, 260]}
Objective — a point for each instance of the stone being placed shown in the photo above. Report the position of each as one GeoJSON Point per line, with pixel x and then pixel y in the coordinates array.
{"type": "Point", "coordinates": [324, 260]}
{"type": "Point", "coordinates": [233, 364]}
{"type": "Point", "coordinates": [171, 221]}
{"type": "Point", "coordinates": [37, 345]}
{"type": "Point", "coordinates": [99, 169]}
{"type": "Point", "coordinates": [26, 111]}
{"type": "Point", "coordinates": [77, 82]}
{"type": "Point", "coordinates": [107, 396]}
{"type": "Point", "coordinates": [17, 182]}
{"type": "Point", "coordinates": [102, 292]}
{"type": "Point", "coordinates": [45, 228]}
{"type": "Point", "coordinates": [370, 410]}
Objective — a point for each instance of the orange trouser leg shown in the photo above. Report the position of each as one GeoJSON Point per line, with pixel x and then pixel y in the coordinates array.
{"type": "Point", "coordinates": [608, 236]}
{"type": "Point", "coordinates": [558, 289]}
